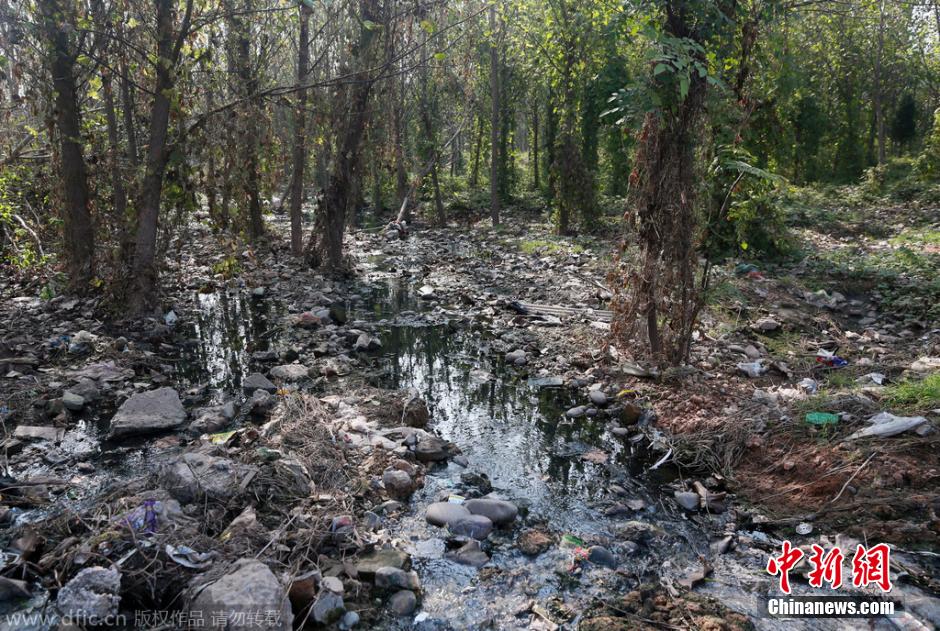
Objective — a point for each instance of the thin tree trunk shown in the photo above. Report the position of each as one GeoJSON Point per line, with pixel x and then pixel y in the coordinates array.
{"type": "Point", "coordinates": [300, 137]}
{"type": "Point", "coordinates": [438, 199]}
{"type": "Point", "coordinates": [879, 85]}
{"type": "Point", "coordinates": [127, 108]}
{"type": "Point", "coordinates": [78, 233]}
{"type": "Point", "coordinates": [401, 170]}
{"type": "Point", "coordinates": [475, 173]}
{"type": "Point", "coordinates": [494, 120]}
{"type": "Point", "coordinates": [535, 145]}
{"type": "Point", "coordinates": [144, 273]}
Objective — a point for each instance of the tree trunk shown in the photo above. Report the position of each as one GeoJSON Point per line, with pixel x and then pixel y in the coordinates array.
{"type": "Point", "coordinates": [494, 120]}
{"type": "Point", "coordinates": [536, 185]}
{"type": "Point", "coordinates": [78, 232]}
{"type": "Point", "coordinates": [144, 273]}
{"type": "Point", "coordinates": [879, 84]}
{"type": "Point", "coordinates": [300, 137]}
{"type": "Point", "coordinates": [127, 107]}
{"type": "Point", "coordinates": [325, 246]}
{"type": "Point", "coordinates": [475, 172]}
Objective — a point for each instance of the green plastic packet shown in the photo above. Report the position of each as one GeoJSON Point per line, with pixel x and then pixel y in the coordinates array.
{"type": "Point", "coordinates": [822, 418]}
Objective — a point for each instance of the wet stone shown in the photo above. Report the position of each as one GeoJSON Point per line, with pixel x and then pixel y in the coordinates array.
{"type": "Point", "coordinates": [576, 412]}
{"type": "Point", "coordinates": [403, 603]}
{"type": "Point", "coordinates": [445, 513]}
{"type": "Point", "coordinates": [387, 557]}
{"type": "Point", "coordinates": [398, 484]}
{"type": "Point", "coordinates": [469, 554]}
{"type": "Point", "coordinates": [395, 578]}
{"type": "Point", "coordinates": [499, 512]}
{"type": "Point", "coordinates": [72, 401]}
{"type": "Point", "coordinates": [474, 526]}
{"type": "Point", "coordinates": [598, 398]}
{"type": "Point", "coordinates": [600, 555]}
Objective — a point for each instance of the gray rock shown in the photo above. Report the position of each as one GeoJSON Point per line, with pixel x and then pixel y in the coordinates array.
{"type": "Point", "coordinates": [598, 398]}
{"type": "Point", "coordinates": [398, 484]}
{"type": "Point", "coordinates": [601, 556]}
{"type": "Point", "coordinates": [195, 475]}
{"type": "Point", "coordinates": [474, 526]}
{"type": "Point", "coordinates": [499, 512]}
{"type": "Point", "coordinates": [257, 381]}
{"type": "Point", "coordinates": [431, 449]}
{"type": "Point", "coordinates": [248, 587]}
{"type": "Point", "coordinates": [751, 351]}
{"type": "Point", "coordinates": [366, 342]}
{"type": "Point", "coordinates": [445, 513]}
{"type": "Point", "coordinates": [386, 557]}
{"type": "Point", "coordinates": [333, 584]}
{"type": "Point", "coordinates": [576, 412]}
{"type": "Point", "coordinates": [403, 603]}
{"type": "Point", "coordinates": [146, 412]}
{"type": "Point", "coordinates": [289, 372]}
{"type": "Point", "coordinates": [395, 578]}
{"type": "Point", "coordinates": [469, 554]}
{"type": "Point", "coordinates": [86, 388]}
{"type": "Point", "coordinates": [94, 594]}
{"type": "Point", "coordinates": [72, 401]}
{"type": "Point", "coordinates": [38, 432]}
{"type": "Point", "coordinates": [687, 500]}
{"type": "Point", "coordinates": [516, 357]}
{"type": "Point", "coordinates": [350, 619]}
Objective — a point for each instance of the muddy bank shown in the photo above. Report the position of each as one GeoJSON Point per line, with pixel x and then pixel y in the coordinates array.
{"type": "Point", "coordinates": [328, 425]}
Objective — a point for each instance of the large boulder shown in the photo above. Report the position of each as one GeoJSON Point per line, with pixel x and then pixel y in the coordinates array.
{"type": "Point", "coordinates": [146, 412]}
{"type": "Point", "coordinates": [247, 590]}
{"type": "Point", "coordinates": [194, 476]}
{"type": "Point", "coordinates": [500, 512]}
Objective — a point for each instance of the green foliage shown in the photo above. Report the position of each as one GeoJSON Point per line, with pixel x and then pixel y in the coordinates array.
{"type": "Point", "coordinates": [746, 217]}
{"type": "Point", "coordinates": [20, 246]}
{"type": "Point", "coordinates": [928, 164]}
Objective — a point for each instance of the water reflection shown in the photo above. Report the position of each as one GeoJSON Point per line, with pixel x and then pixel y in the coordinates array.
{"type": "Point", "coordinates": [513, 431]}
{"type": "Point", "coordinates": [227, 328]}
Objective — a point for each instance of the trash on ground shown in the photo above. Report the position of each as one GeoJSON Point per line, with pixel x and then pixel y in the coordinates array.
{"type": "Point", "coordinates": [886, 424]}
{"type": "Point", "coordinates": [822, 418]}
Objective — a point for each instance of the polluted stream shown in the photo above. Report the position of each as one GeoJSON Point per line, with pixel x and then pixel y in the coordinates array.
{"type": "Point", "coordinates": [512, 429]}
{"type": "Point", "coordinates": [578, 481]}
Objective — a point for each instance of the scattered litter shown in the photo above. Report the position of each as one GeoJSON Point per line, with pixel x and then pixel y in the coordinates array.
{"type": "Point", "coordinates": [886, 424]}
{"type": "Point", "coordinates": [830, 359]}
{"type": "Point", "coordinates": [570, 541]}
{"type": "Point", "coordinates": [752, 369]}
{"type": "Point", "coordinates": [810, 386]}
{"type": "Point", "coordinates": [873, 377]}
{"type": "Point", "coordinates": [170, 318]}
{"type": "Point", "coordinates": [143, 518]}
{"type": "Point", "coordinates": [742, 269]}
{"type": "Point", "coordinates": [804, 528]}
{"type": "Point", "coordinates": [822, 418]}
{"type": "Point", "coordinates": [222, 437]}
{"type": "Point", "coordinates": [187, 557]}
{"type": "Point", "coordinates": [456, 499]}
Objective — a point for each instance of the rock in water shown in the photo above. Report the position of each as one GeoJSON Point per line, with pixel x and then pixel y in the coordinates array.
{"type": "Point", "coordinates": [403, 602]}
{"type": "Point", "coordinates": [601, 556]}
{"type": "Point", "coordinates": [499, 512]}
{"type": "Point", "coordinates": [94, 594]}
{"type": "Point", "coordinates": [474, 526]}
{"type": "Point", "coordinates": [153, 411]}
{"type": "Point", "coordinates": [387, 557]}
{"type": "Point", "coordinates": [249, 587]}
{"type": "Point", "coordinates": [598, 398]}
{"type": "Point", "coordinates": [445, 513]}
{"type": "Point", "coordinates": [398, 484]}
